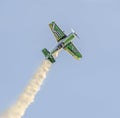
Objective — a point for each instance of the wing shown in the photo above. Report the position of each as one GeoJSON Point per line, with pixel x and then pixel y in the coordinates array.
{"type": "Point", "coordinates": [58, 33]}
{"type": "Point", "coordinates": [73, 51]}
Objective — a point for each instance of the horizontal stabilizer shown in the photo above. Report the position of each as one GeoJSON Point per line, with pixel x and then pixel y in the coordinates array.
{"type": "Point", "coordinates": [48, 55]}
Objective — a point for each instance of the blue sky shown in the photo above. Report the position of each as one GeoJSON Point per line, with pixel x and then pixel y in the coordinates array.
{"type": "Point", "coordinates": [81, 89]}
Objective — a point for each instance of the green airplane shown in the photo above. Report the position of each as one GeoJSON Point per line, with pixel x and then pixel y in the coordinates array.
{"type": "Point", "coordinates": [64, 42]}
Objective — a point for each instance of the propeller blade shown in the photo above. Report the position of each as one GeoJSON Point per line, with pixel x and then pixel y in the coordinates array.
{"type": "Point", "coordinates": [73, 31]}
{"type": "Point", "coordinates": [77, 36]}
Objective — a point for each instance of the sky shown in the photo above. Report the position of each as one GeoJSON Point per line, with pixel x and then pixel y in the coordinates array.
{"type": "Point", "coordinates": [88, 88]}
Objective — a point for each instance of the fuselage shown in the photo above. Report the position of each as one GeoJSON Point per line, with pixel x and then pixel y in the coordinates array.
{"type": "Point", "coordinates": [63, 42]}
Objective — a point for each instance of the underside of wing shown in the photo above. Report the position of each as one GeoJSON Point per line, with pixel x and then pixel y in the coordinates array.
{"type": "Point", "coordinates": [58, 33]}
{"type": "Point", "coordinates": [73, 50]}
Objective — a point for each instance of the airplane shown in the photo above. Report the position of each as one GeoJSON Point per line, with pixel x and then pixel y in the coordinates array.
{"type": "Point", "coordinates": [64, 42]}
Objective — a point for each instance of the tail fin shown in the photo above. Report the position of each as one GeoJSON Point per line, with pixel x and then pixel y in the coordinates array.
{"type": "Point", "coordinates": [48, 55]}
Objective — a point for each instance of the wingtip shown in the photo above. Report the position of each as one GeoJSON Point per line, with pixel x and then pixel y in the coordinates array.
{"type": "Point", "coordinates": [52, 22]}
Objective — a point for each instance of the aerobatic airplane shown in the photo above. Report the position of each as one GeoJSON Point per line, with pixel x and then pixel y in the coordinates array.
{"type": "Point", "coordinates": [64, 41]}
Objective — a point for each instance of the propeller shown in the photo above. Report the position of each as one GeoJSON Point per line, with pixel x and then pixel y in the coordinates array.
{"type": "Point", "coordinates": [73, 31]}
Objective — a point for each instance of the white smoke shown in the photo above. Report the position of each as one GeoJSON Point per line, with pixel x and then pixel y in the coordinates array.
{"type": "Point", "coordinates": [28, 95]}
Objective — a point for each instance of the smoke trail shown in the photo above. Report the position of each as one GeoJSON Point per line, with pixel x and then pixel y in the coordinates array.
{"type": "Point", "coordinates": [28, 95]}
